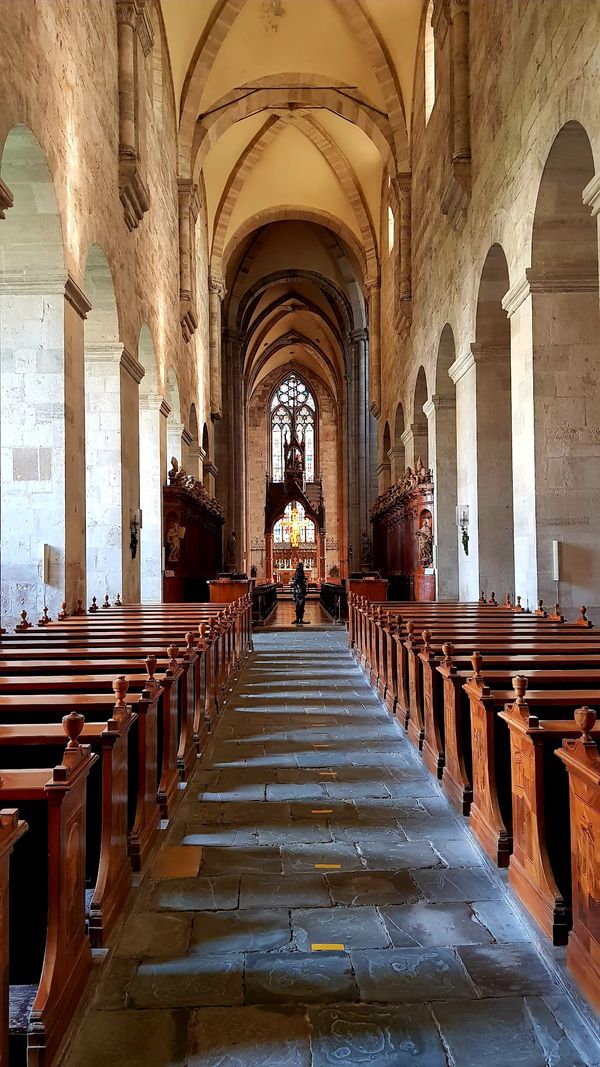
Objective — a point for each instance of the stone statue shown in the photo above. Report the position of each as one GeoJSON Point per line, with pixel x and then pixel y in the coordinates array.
{"type": "Point", "coordinates": [366, 552]}
{"type": "Point", "coordinates": [174, 470]}
{"type": "Point", "coordinates": [231, 553]}
{"type": "Point", "coordinates": [425, 540]}
{"type": "Point", "coordinates": [299, 589]}
{"type": "Point", "coordinates": [175, 535]}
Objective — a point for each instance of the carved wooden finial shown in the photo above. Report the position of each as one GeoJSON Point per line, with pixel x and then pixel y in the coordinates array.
{"type": "Point", "coordinates": [447, 649]}
{"type": "Point", "coordinates": [555, 615]}
{"type": "Point", "coordinates": [9, 817]}
{"type": "Point", "coordinates": [106, 603]}
{"type": "Point", "coordinates": [80, 610]}
{"type": "Point", "coordinates": [426, 635]}
{"type": "Point", "coordinates": [190, 641]}
{"type": "Point", "coordinates": [506, 603]}
{"type": "Point", "coordinates": [520, 687]}
{"type": "Point", "coordinates": [151, 661]}
{"type": "Point", "coordinates": [45, 619]}
{"type": "Point", "coordinates": [23, 624]}
{"type": "Point", "coordinates": [93, 606]}
{"type": "Point", "coordinates": [120, 687]}
{"type": "Point", "coordinates": [118, 602]}
{"type": "Point", "coordinates": [172, 652]}
{"type": "Point", "coordinates": [585, 718]}
{"type": "Point", "coordinates": [477, 661]}
{"type": "Point", "coordinates": [582, 619]}
{"type": "Point", "coordinates": [482, 597]}
{"type": "Point", "coordinates": [518, 606]}
{"type": "Point", "coordinates": [540, 609]}
{"type": "Point", "coordinates": [73, 725]}
{"type": "Point", "coordinates": [493, 600]}
{"type": "Point", "coordinates": [63, 613]}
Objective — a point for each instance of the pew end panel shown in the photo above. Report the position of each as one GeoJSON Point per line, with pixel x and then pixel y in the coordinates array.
{"type": "Point", "coordinates": [489, 820]}
{"type": "Point", "coordinates": [457, 772]}
{"type": "Point", "coordinates": [12, 829]}
{"type": "Point", "coordinates": [582, 762]}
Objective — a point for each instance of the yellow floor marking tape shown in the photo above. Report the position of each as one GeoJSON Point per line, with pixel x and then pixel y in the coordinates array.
{"type": "Point", "coordinates": [328, 774]}
{"type": "Point", "coordinates": [328, 948]}
{"type": "Point", "coordinates": [321, 811]}
{"type": "Point", "coordinates": [327, 866]}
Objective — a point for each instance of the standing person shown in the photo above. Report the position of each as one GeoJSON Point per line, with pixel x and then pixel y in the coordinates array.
{"type": "Point", "coordinates": [299, 593]}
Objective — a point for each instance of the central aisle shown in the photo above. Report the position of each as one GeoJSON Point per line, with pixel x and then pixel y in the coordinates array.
{"type": "Point", "coordinates": [318, 903]}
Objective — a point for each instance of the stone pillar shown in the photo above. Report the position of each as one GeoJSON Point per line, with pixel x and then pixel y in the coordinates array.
{"type": "Point", "coordinates": [76, 308]}
{"type": "Point", "coordinates": [383, 477]}
{"type": "Point", "coordinates": [482, 379]}
{"type": "Point", "coordinates": [374, 291]}
{"type": "Point", "coordinates": [461, 128]}
{"type": "Point", "coordinates": [188, 213]}
{"type": "Point", "coordinates": [359, 459]}
{"type": "Point", "coordinates": [415, 441]}
{"type": "Point", "coordinates": [235, 518]}
{"type": "Point", "coordinates": [441, 421]}
{"type": "Point", "coordinates": [154, 411]}
{"type": "Point", "coordinates": [216, 292]}
{"type": "Point", "coordinates": [197, 455]}
{"type": "Point", "coordinates": [555, 327]}
{"type": "Point", "coordinates": [403, 186]}
{"type": "Point", "coordinates": [179, 439]}
{"type": "Point", "coordinates": [210, 474]}
{"type": "Point", "coordinates": [131, 19]}
{"type": "Point", "coordinates": [396, 457]}
{"type": "Point", "coordinates": [34, 459]}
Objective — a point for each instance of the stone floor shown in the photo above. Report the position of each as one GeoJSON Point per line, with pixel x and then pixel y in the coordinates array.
{"type": "Point", "coordinates": [285, 613]}
{"type": "Point", "coordinates": [318, 903]}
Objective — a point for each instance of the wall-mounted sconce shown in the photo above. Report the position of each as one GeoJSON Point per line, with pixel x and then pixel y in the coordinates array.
{"type": "Point", "coordinates": [462, 521]}
{"type": "Point", "coordinates": [135, 526]}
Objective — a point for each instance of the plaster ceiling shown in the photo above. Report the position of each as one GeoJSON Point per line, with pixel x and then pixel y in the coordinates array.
{"type": "Point", "coordinates": [337, 73]}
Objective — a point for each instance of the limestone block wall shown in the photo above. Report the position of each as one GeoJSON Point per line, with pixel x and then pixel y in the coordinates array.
{"type": "Point", "coordinates": [59, 77]}
{"type": "Point", "coordinates": [533, 67]}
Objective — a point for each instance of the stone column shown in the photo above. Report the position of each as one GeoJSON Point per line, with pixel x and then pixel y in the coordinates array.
{"type": "Point", "coordinates": [374, 291]}
{"type": "Point", "coordinates": [383, 477]}
{"type": "Point", "coordinates": [132, 187]}
{"type": "Point", "coordinates": [359, 460]}
{"type": "Point", "coordinates": [210, 474]}
{"type": "Point", "coordinates": [441, 420]}
{"type": "Point", "coordinates": [179, 439]}
{"type": "Point", "coordinates": [403, 186]}
{"type": "Point", "coordinates": [126, 22]}
{"type": "Point", "coordinates": [415, 441]}
{"type": "Point", "coordinates": [216, 292]}
{"type": "Point", "coordinates": [131, 374]}
{"type": "Point", "coordinates": [236, 445]}
{"type": "Point", "coordinates": [462, 374]}
{"type": "Point", "coordinates": [76, 308]}
{"type": "Point", "coordinates": [396, 457]}
{"type": "Point", "coordinates": [461, 131]}
{"type": "Point", "coordinates": [154, 411]}
{"type": "Point", "coordinates": [188, 213]}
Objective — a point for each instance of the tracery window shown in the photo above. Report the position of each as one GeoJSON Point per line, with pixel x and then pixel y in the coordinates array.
{"type": "Point", "coordinates": [429, 54]}
{"type": "Point", "coordinates": [293, 412]}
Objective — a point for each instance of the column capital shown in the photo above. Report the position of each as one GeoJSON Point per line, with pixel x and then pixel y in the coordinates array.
{"type": "Point", "coordinates": [402, 185]}
{"type": "Point", "coordinates": [155, 402]}
{"type": "Point", "coordinates": [75, 296]}
{"type": "Point", "coordinates": [438, 402]}
{"type": "Point", "coordinates": [217, 285]}
{"type": "Point", "coordinates": [358, 336]}
{"type": "Point", "coordinates": [6, 199]}
{"type": "Point", "coordinates": [210, 468]}
{"type": "Point", "coordinates": [591, 194]}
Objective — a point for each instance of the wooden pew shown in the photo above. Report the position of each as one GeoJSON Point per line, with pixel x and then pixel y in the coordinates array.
{"type": "Point", "coordinates": [108, 867]}
{"type": "Point", "coordinates": [11, 829]}
{"type": "Point", "coordinates": [582, 761]}
{"type": "Point", "coordinates": [491, 810]}
{"type": "Point", "coordinates": [553, 670]}
{"type": "Point", "coordinates": [538, 869]}
{"type": "Point", "coordinates": [51, 954]}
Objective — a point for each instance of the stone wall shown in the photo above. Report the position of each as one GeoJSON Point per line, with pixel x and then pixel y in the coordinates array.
{"type": "Point", "coordinates": [59, 78]}
{"type": "Point", "coordinates": [533, 68]}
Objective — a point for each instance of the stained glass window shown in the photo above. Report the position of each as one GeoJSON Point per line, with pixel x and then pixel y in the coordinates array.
{"type": "Point", "coordinates": [292, 418]}
{"type": "Point", "coordinates": [295, 528]}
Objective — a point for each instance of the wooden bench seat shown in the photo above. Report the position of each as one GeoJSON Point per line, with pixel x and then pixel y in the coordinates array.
{"type": "Point", "coordinates": [491, 810]}
{"type": "Point", "coordinates": [108, 867]}
{"type": "Point", "coordinates": [12, 829]}
{"type": "Point", "coordinates": [50, 948]}
{"type": "Point", "coordinates": [539, 866]}
{"type": "Point", "coordinates": [582, 762]}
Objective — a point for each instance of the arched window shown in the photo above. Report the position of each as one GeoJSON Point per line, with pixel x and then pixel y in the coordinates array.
{"type": "Point", "coordinates": [294, 529]}
{"type": "Point", "coordinates": [293, 430]}
{"type": "Point", "coordinates": [391, 229]}
{"type": "Point", "coordinates": [429, 63]}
